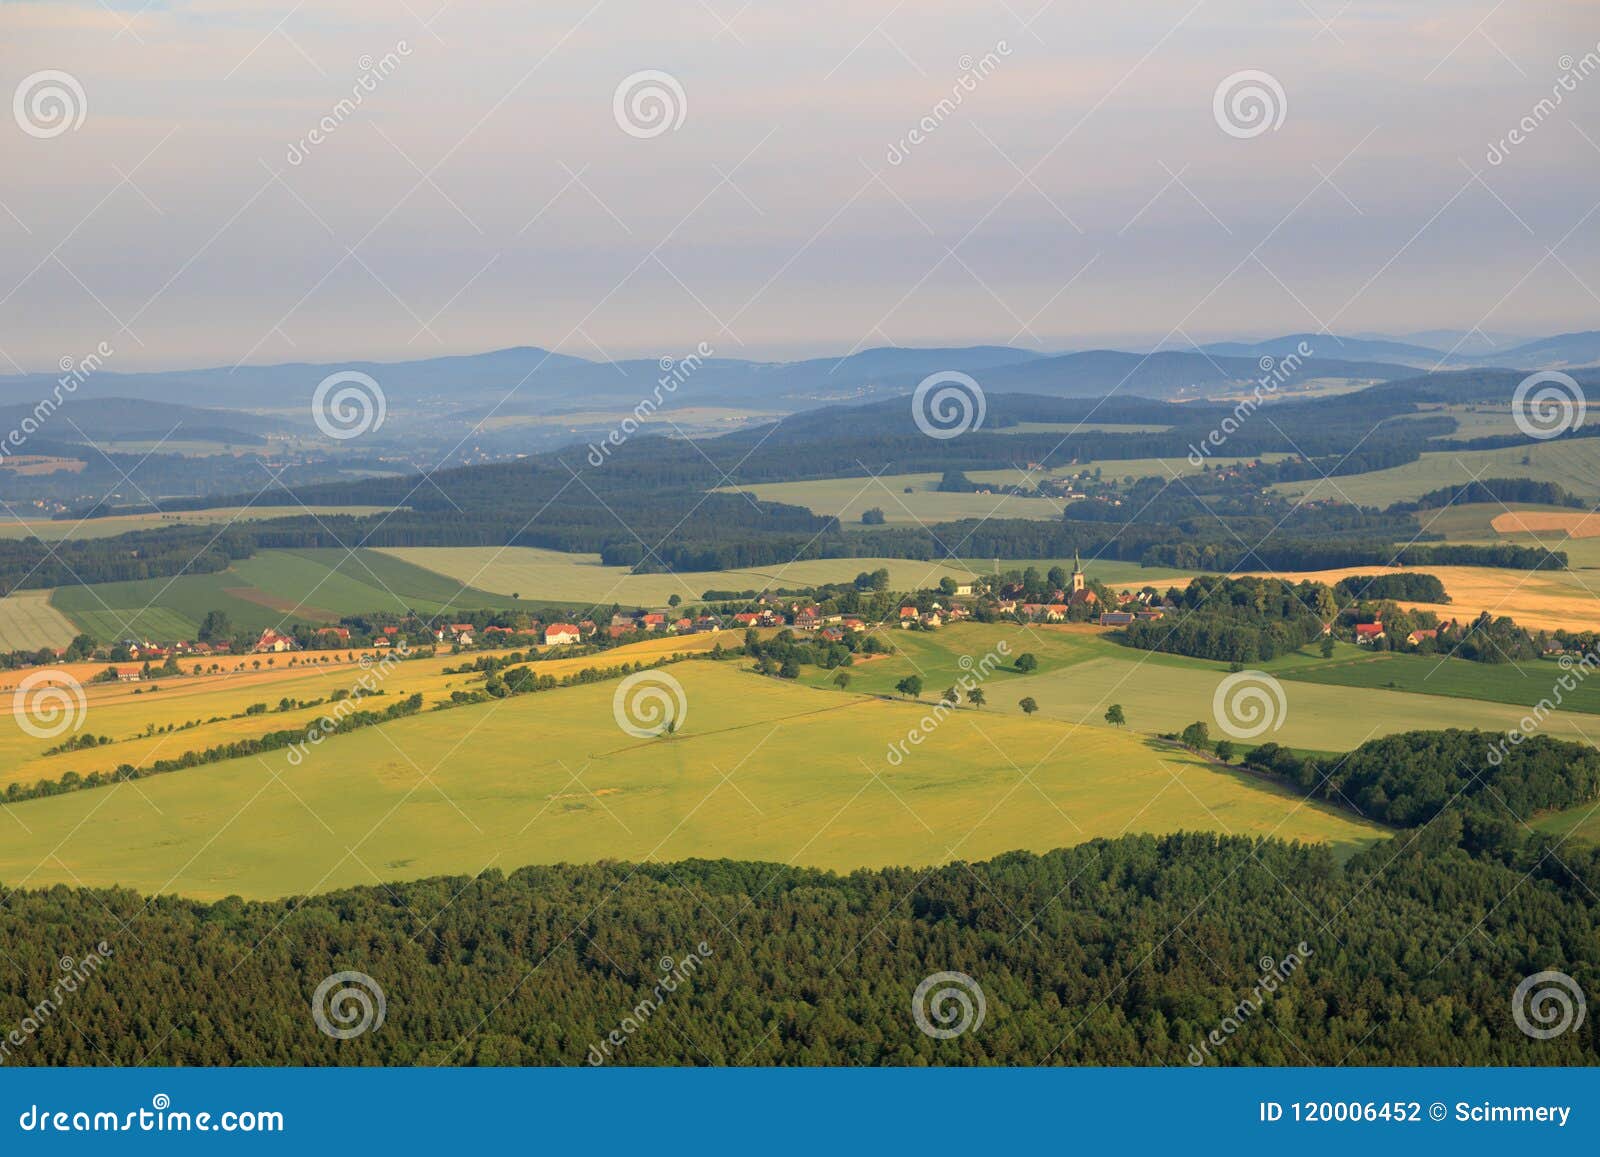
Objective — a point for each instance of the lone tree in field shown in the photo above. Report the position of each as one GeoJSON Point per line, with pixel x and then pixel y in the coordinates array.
{"type": "Point", "coordinates": [976, 697]}
{"type": "Point", "coordinates": [1327, 646]}
{"type": "Point", "coordinates": [1225, 750]}
{"type": "Point", "coordinates": [842, 680]}
{"type": "Point", "coordinates": [1028, 705]}
{"type": "Point", "coordinates": [1115, 717]}
{"type": "Point", "coordinates": [910, 687]}
{"type": "Point", "coordinates": [951, 696]}
{"type": "Point", "coordinates": [1026, 662]}
{"type": "Point", "coordinates": [1197, 735]}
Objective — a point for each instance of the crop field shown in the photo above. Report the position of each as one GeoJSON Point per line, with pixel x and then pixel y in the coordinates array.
{"type": "Point", "coordinates": [1549, 523]}
{"type": "Point", "coordinates": [28, 622]}
{"type": "Point", "coordinates": [582, 580]}
{"type": "Point", "coordinates": [1548, 599]}
{"type": "Point", "coordinates": [760, 769]}
{"type": "Point", "coordinates": [1573, 464]}
{"type": "Point", "coordinates": [1082, 672]}
{"type": "Point", "coordinates": [54, 530]}
{"type": "Point", "coordinates": [266, 590]}
{"type": "Point", "coordinates": [165, 717]}
{"type": "Point", "coordinates": [1521, 684]}
{"type": "Point", "coordinates": [848, 497]}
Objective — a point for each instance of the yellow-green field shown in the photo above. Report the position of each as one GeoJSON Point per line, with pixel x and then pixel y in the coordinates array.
{"type": "Point", "coordinates": [28, 622]}
{"type": "Point", "coordinates": [582, 580]}
{"type": "Point", "coordinates": [1082, 672]}
{"type": "Point", "coordinates": [135, 716]}
{"type": "Point", "coordinates": [1573, 464]}
{"type": "Point", "coordinates": [54, 530]}
{"type": "Point", "coordinates": [759, 770]}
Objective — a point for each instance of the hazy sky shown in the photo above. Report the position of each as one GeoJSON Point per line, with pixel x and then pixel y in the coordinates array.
{"type": "Point", "coordinates": [1082, 191]}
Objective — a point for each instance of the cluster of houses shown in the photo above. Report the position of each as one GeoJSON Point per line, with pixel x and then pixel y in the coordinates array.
{"type": "Point", "coordinates": [1370, 633]}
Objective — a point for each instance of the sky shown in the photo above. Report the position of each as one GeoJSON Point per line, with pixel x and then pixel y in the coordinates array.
{"type": "Point", "coordinates": [827, 176]}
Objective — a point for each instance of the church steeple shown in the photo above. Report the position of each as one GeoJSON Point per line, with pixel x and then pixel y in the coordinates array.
{"type": "Point", "coordinates": [1077, 574]}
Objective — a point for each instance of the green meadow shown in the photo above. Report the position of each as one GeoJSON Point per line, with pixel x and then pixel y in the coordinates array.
{"type": "Point", "coordinates": [759, 770]}
{"type": "Point", "coordinates": [266, 590]}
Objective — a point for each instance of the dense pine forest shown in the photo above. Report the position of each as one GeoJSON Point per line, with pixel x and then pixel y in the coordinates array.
{"type": "Point", "coordinates": [1122, 952]}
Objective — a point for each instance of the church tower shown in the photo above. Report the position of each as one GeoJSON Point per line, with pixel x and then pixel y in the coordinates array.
{"type": "Point", "coordinates": [1077, 574]}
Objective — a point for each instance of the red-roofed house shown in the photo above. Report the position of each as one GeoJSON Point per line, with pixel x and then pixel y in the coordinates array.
{"type": "Point", "coordinates": [561, 634]}
{"type": "Point", "coordinates": [1369, 632]}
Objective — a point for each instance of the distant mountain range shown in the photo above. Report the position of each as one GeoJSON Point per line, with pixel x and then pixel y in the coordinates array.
{"type": "Point", "coordinates": [531, 381]}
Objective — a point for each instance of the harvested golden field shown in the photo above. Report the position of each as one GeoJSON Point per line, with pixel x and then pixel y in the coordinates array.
{"type": "Point", "coordinates": [1574, 523]}
{"type": "Point", "coordinates": [1537, 599]}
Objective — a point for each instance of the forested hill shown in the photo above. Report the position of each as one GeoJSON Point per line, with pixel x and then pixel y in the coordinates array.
{"type": "Point", "coordinates": [643, 501]}
{"type": "Point", "coordinates": [1122, 952]}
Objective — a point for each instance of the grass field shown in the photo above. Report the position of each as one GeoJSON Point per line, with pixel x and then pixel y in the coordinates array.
{"type": "Point", "coordinates": [28, 622]}
{"type": "Point", "coordinates": [136, 718]}
{"type": "Point", "coordinates": [1523, 684]}
{"type": "Point", "coordinates": [760, 770]}
{"type": "Point", "coordinates": [265, 590]}
{"type": "Point", "coordinates": [1573, 464]}
{"type": "Point", "coordinates": [848, 497]}
{"type": "Point", "coordinates": [582, 580]}
{"type": "Point", "coordinates": [54, 530]}
{"type": "Point", "coordinates": [1082, 672]}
